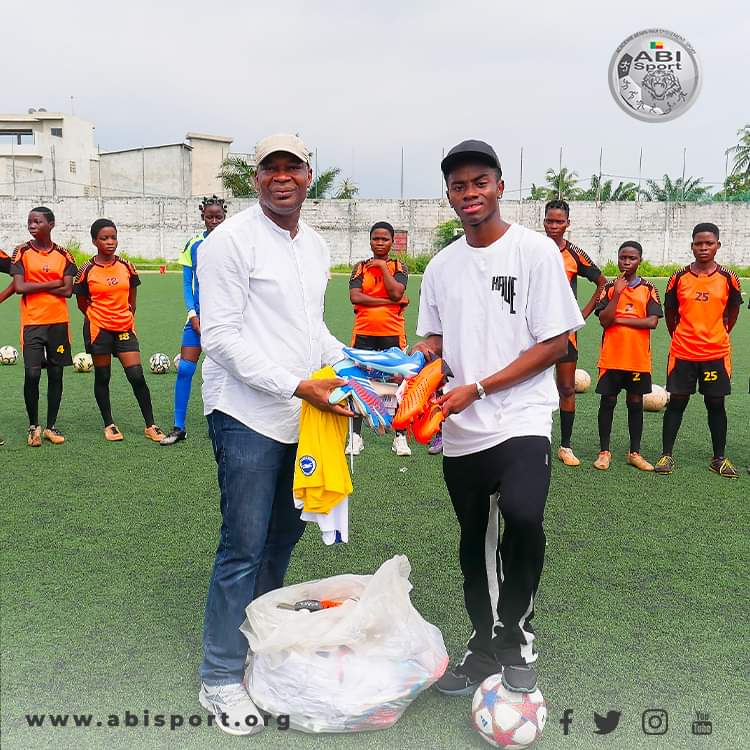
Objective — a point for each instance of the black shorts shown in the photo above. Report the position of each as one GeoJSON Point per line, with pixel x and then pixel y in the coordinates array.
{"type": "Point", "coordinates": [109, 342]}
{"type": "Point", "coordinates": [47, 345]}
{"type": "Point", "coordinates": [376, 343]}
{"type": "Point", "coordinates": [713, 376]}
{"type": "Point", "coordinates": [611, 382]}
{"type": "Point", "coordinates": [572, 355]}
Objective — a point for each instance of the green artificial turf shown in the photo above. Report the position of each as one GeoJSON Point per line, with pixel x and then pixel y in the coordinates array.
{"type": "Point", "coordinates": [107, 549]}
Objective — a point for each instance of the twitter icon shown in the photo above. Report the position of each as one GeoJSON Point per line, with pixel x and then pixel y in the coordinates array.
{"type": "Point", "coordinates": [608, 723]}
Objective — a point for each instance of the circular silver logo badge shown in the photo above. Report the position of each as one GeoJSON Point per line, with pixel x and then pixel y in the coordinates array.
{"type": "Point", "coordinates": [654, 75]}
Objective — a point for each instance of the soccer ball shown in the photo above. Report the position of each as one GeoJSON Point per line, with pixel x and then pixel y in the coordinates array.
{"type": "Point", "coordinates": [176, 361]}
{"type": "Point", "coordinates": [507, 719]}
{"type": "Point", "coordinates": [656, 400]}
{"type": "Point", "coordinates": [583, 381]}
{"type": "Point", "coordinates": [82, 362]}
{"type": "Point", "coordinates": [159, 363]}
{"type": "Point", "coordinates": [8, 355]}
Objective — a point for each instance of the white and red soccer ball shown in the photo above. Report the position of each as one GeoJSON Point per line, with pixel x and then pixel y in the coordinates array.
{"type": "Point", "coordinates": [507, 719]}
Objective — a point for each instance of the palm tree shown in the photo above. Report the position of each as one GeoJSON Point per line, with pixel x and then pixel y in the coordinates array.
{"type": "Point", "coordinates": [741, 158]}
{"type": "Point", "coordinates": [347, 189]}
{"type": "Point", "coordinates": [323, 183]}
{"type": "Point", "coordinates": [603, 191]}
{"type": "Point", "coordinates": [676, 191]}
{"type": "Point", "coordinates": [561, 184]}
{"type": "Point", "coordinates": [238, 177]}
{"type": "Point", "coordinates": [537, 193]}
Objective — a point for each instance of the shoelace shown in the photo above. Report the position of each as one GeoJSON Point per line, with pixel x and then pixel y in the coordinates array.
{"type": "Point", "coordinates": [231, 695]}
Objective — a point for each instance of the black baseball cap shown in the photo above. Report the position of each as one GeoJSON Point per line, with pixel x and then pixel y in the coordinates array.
{"type": "Point", "coordinates": [472, 148]}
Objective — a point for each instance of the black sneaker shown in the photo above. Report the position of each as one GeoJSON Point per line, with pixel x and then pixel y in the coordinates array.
{"type": "Point", "coordinates": [455, 682]}
{"type": "Point", "coordinates": [519, 678]}
{"type": "Point", "coordinates": [723, 467]}
{"type": "Point", "coordinates": [174, 436]}
{"type": "Point", "coordinates": [665, 465]}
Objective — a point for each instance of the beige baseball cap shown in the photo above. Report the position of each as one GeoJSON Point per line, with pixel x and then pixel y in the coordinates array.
{"type": "Point", "coordinates": [291, 144]}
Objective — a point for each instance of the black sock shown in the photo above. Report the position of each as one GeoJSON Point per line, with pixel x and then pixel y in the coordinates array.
{"type": "Point", "coordinates": [606, 413]}
{"type": "Point", "coordinates": [672, 421]}
{"type": "Point", "coordinates": [357, 425]}
{"type": "Point", "coordinates": [717, 424]}
{"type": "Point", "coordinates": [101, 392]}
{"type": "Point", "coordinates": [54, 393]}
{"type": "Point", "coordinates": [134, 374]}
{"type": "Point", "coordinates": [566, 427]}
{"type": "Point", "coordinates": [635, 425]}
{"type": "Point", "coordinates": [31, 393]}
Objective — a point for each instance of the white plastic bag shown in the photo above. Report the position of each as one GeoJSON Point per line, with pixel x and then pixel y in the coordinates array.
{"type": "Point", "coordinates": [349, 668]}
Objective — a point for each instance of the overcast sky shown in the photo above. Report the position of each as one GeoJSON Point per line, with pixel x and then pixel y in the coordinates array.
{"type": "Point", "coordinates": [359, 81]}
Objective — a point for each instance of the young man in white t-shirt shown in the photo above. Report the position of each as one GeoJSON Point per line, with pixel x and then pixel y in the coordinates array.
{"type": "Point", "coordinates": [497, 306]}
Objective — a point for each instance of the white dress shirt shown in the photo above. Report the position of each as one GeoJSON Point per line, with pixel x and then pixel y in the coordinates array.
{"type": "Point", "coordinates": [262, 328]}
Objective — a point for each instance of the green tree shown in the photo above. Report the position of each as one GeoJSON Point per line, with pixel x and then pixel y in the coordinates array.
{"type": "Point", "coordinates": [322, 185]}
{"type": "Point", "coordinates": [736, 188]}
{"type": "Point", "coordinates": [675, 191]}
{"type": "Point", "coordinates": [347, 189]}
{"type": "Point", "coordinates": [238, 177]}
{"type": "Point", "coordinates": [562, 184]}
{"type": "Point", "coordinates": [604, 191]}
{"type": "Point", "coordinates": [741, 158]}
{"type": "Point", "coordinates": [537, 193]}
{"type": "Point", "coordinates": [446, 232]}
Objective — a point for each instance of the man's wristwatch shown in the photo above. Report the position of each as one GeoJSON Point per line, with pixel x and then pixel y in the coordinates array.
{"type": "Point", "coordinates": [480, 390]}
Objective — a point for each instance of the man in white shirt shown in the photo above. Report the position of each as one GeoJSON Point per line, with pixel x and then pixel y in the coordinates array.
{"type": "Point", "coordinates": [497, 306]}
{"type": "Point", "coordinates": [263, 275]}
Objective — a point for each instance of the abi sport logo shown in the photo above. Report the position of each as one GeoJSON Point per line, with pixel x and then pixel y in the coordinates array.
{"type": "Point", "coordinates": [654, 75]}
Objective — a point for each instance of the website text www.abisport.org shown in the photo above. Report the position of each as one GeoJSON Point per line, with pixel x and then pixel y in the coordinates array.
{"type": "Point", "coordinates": [147, 718]}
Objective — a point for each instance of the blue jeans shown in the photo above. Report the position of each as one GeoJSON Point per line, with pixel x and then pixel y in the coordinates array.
{"type": "Point", "coordinates": [259, 529]}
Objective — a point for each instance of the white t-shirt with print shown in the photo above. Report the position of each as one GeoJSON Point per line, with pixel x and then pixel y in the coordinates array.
{"type": "Point", "coordinates": [491, 304]}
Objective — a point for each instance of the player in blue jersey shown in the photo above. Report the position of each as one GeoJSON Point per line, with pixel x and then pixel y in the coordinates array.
{"type": "Point", "coordinates": [213, 212]}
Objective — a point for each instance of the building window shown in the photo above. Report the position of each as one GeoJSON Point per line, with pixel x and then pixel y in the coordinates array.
{"type": "Point", "coordinates": [72, 167]}
{"type": "Point", "coordinates": [56, 131]}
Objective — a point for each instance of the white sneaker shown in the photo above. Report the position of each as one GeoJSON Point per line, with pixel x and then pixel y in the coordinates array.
{"type": "Point", "coordinates": [356, 445]}
{"type": "Point", "coordinates": [400, 447]}
{"type": "Point", "coordinates": [231, 705]}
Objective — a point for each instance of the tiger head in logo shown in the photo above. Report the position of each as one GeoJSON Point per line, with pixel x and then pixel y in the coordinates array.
{"type": "Point", "coordinates": [664, 88]}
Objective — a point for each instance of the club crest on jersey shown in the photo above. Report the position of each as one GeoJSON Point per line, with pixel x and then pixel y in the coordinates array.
{"type": "Point", "coordinates": [506, 285]}
{"type": "Point", "coordinates": [307, 465]}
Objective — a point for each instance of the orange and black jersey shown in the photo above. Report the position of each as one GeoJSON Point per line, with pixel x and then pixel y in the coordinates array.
{"type": "Point", "coordinates": [39, 266]}
{"type": "Point", "coordinates": [383, 320]}
{"type": "Point", "coordinates": [702, 303]}
{"type": "Point", "coordinates": [624, 347]}
{"type": "Point", "coordinates": [108, 290]}
{"type": "Point", "coordinates": [576, 264]}
{"type": "Point", "coordinates": [4, 262]}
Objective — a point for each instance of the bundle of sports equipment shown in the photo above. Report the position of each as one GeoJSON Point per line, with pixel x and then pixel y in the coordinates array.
{"type": "Point", "coordinates": [8, 355]}
{"type": "Point", "coordinates": [159, 363]}
{"type": "Point", "coordinates": [354, 665]}
{"type": "Point", "coordinates": [365, 401]}
{"type": "Point", "coordinates": [507, 719]}
{"type": "Point", "coordinates": [417, 408]}
{"type": "Point", "coordinates": [370, 379]}
{"type": "Point", "coordinates": [82, 362]}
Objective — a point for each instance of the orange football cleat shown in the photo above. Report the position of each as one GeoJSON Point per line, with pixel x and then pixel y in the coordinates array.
{"type": "Point", "coordinates": [427, 424]}
{"type": "Point", "coordinates": [418, 392]}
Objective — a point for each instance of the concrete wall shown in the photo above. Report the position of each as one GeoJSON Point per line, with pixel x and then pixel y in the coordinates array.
{"type": "Point", "coordinates": [154, 228]}
{"type": "Point", "coordinates": [206, 158]}
{"type": "Point", "coordinates": [154, 170]}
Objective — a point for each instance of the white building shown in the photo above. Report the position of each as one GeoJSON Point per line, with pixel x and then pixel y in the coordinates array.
{"type": "Point", "coordinates": [54, 154]}
{"type": "Point", "coordinates": [46, 153]}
